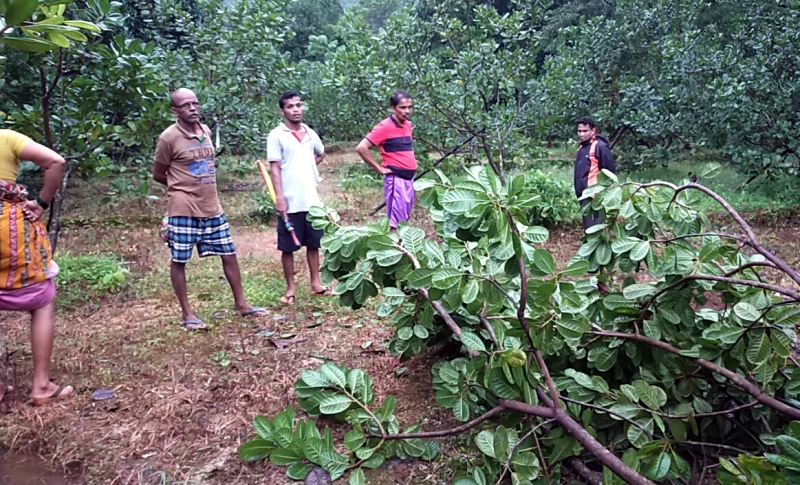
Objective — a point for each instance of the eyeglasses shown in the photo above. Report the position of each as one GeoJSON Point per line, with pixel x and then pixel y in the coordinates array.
{"type": "Point", "coordinates": [187, 105]}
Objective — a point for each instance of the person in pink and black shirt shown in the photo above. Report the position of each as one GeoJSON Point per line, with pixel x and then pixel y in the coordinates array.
{"type": "Point", "coordinates": [393, 136]}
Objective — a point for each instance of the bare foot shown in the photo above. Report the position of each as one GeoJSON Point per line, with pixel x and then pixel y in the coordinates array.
{"type": "Point", "coordinates": [50, 393]}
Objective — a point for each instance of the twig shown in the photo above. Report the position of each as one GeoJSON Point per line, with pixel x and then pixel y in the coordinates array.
{"type": "Point", "coordinates": [516, 445]}
{"type": "Point", "coordinates": [712, 445]}
{"type": "Point", "coordinates": [489, 328]}
{"type": "Point", "coordinates": [735, 378]}
{"type": "Point", "coordinates": [606, 410]}
{"type": "Point", "coordinates": [592, 477]}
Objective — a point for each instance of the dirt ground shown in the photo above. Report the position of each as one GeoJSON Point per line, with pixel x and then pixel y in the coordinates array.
{"type": "Point", "coordinates": [183, 401]}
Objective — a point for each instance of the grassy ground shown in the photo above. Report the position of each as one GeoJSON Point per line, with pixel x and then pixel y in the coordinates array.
{"type": "Point", "coordinates": [185, 401]}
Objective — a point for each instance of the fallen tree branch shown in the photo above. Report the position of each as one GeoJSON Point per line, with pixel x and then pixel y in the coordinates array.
{"type": "Point", "coordinates": [735, 378]}
{"type": "Point", "coordinates": [591, 477]}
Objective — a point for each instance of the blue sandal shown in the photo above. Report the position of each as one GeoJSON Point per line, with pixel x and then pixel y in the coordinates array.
{"type": "Point", "coordinates": [255, 311]}
{"type": "Point", "coordinates": [193, 325]}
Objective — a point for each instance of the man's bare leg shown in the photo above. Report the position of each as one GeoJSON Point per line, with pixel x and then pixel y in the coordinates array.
{"type": "Point", "coordinates": [178, 276]}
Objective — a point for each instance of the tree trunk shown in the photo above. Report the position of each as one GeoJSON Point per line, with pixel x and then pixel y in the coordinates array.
{"type": "Point", "coordinates": [54, 222]}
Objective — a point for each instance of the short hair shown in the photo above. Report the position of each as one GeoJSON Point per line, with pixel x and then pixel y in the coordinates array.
{"type": "Point", "coordinates": [287, 96]}
{"type": "Point", "coordinates": [585, 120]}
{"type": "Point", "coordinates": [398, 96]}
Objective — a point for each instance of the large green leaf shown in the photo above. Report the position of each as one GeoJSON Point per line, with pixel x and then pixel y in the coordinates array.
{"type": "Point", "coordinates": [640, 251]}
{"type": "Point", "coordinates": [298, 471]}
{"type": "Point", "coordinates": [746, 311]}
{"type": "Point", "coordinates": [357, 477]}
{"type": "Point", "coordinates": [543, 261]}
{"type": "Point", "coordinates": [263, 427]}
{"type": "Point", "coordinates": [446, 278]}
{"type": "Point", "coordinates": [284, 457]}
{"type": "Point", "coordinates": [485, 442]}
{"type": "Point", "coordinates": [472, 341]}
{"type": "Point", "coordinates": [82, 24]}
{"type": "Point", "coordinates": [28, 44]}
{"type": "Point", "coordinates": [459, 201]}
{"type": "Point", "coordinates": [659, 467]}
{"type": "Point", "coordinates": [760, 347]}
{"type": "Point", "coordinates": [20, 10]}
{"type": "Point", "coordinates": [333, 374]}
{"type": "Point", "coordinates": [638, 291]}
{"type": "Point", "coordinates": [256, 449]}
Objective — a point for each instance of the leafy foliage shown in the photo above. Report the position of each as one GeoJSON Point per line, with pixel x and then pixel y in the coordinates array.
{"type": "Point", "coordinates": [90, 276]}
{"type": "Point", "coordinates": [342, 394]}
{"type": "Point", "coordinates": [630, 360]}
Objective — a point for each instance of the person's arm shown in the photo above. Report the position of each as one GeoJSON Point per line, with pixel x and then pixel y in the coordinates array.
{"type": "Point", "coordinates": [161, 160]}
{"type": "Point", "coordinates": [363, 149]}
{"type": "Point", "coordinates": [275, 173]}
{"type": "Point", "coordinates": [319, 149]}
{"type": "Point", "coordinates": [274, 157]}
{"type": "Point", "coordinates": [606, 158]}
{"type": "Point", "coordinates": [53, 165]}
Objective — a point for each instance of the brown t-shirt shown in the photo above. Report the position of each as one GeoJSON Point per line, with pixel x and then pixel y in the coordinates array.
{"type": "Point", "coordinates": [191, 176]}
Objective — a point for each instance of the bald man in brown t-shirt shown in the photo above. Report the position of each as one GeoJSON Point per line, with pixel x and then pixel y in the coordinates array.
{"type": "Point", "coordinates": [184, 162]}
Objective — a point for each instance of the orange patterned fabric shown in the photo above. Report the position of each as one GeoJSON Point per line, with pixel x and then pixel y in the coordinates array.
{"type": "Point", "coordinates": [25, 252]}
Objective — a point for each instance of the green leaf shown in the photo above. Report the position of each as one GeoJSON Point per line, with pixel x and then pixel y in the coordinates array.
{"type": "Point", "coordinates": [431, 450]}
{"type": "Point", "coordinates": [256, 449]}
{"type": "Point", "coordinates": [638, 291]}
{"type": "Point", "coordinates": [373, 461]}
{"type": "Point", "coordinates": [461, 409]}
{"type": "Point", "coordinates": [334, 374]}
{"type": "Point", "coordinates": [357, 477]}
{"type": "Point", "coordinates": [543, 260]}
{"type": "Point", "coordinates": [760, 347]}
{"type": "Point", "coordinates": [479, 476]}
{"type": "Point", "coordinates": [263, 427]}
{"type": "Point", "coordinates": [472, 341]}
{"type": "Point", "coordinates": [420, 331]}
{"type": "Point", "coordinates": [781, 343]}
{"type": "Point", "coordinates": [19, 11]}
{"type": "Point", "coordinates": [605, 360]}
{"type": "Point", "coordinates": [500, 442]}
{"type": "Point", "coordinates": [623, 245]}
{"type": "Point", "coordinates": [659, 467]}
{"type": "Point", "coordinates": [789, 445]}
{"type": "Point", "coordinates": [746, 311]}
{"type": "Point", "coordinates": [354, 439]}
{"type": "Point", "coordinates": [82, 24]}
{"type": "Point", "coordinates": [637, 436]}
{"type": "Point", "coordinates": [28, 44]}
{"type": "Point", "coordinates": [572, 329]}
{"type": "Point", "coordinates": [335, 404]}
{"type": "Point", "coordinates": [710, 170]}
{"type": "Point", "coordinates": [470, 291]}
{"type": "Point", "coordinates": [445, 278]}
{"type": "Point", "coordinates": [627, 410]}
{"type": "Point", "coordinates": [59, 39]}
{"type": "Point", "coordinates": [298, 471]}
{"type": "Point", "coordinates": [639, 252]}
{"type": "Point", "coordinates": [405, 333]}
{"type": "Point", "coordinates": [783, 461]}
{"type": "Point", "coordinates": [485, 443]}
{"type": "Point", "coordinates": [577, 268]}
{"type": "Point", "coordinates": [651, 396]}
{"type": "Point", "coordinates": [459, 201]}
{"type": "Point", "coordinates": [314, 378]}
{"type": "Point", "coordinates": [283, 457]}
{"type": "Point", "coordinates": [630, 392]}
{"type": "Point", "coordinates": [420, 278]}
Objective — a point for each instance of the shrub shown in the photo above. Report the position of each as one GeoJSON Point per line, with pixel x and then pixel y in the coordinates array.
{"type": "Point", "coordinates": [85, 277]}
{"type": "Point", "coordinates": [557, 202]}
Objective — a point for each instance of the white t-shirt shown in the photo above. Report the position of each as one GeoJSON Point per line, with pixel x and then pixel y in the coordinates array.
{"type": "Point", "coordinates": [299, 175]}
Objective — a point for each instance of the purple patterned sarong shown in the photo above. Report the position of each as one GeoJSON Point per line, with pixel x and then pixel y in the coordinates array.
{"type": "Point", "coordinates": [399, 196]}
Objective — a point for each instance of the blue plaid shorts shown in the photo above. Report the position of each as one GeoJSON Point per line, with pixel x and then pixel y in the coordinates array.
{"type": "Point", "coordinates": [211, 235]}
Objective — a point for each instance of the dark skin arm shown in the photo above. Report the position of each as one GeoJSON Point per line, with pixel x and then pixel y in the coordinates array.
{"type": "Point", "coordinates": [53, 165]}
{"type": "Point", "coordinates": [363, 150]}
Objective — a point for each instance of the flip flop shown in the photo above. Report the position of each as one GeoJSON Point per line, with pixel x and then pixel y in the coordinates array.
{"type": "Point", "coordinates": [287, 300]}
{"type": "Point", "coordinates": [188, 325]}
{"type": "Point", "coordinates": [61, 393]}
{"type": "Point", "coordinates": [325, 291]}
{"type": "Point", "coordinates": [257, 311]}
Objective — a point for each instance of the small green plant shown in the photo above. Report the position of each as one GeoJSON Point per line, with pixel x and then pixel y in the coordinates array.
{"type": "Point", "coordinates": [342, 394]}
{"type": "Point", "coordinates": [358, 176]}
{"type": "Point", "coordinates": [222, 358]}
{"type": "Point", "coordinates": [264, 207]}
{"type": "Point", "coordinates": [235, 168]}
{"type": "Point", "coordinates": [87, 277]}
{"type": "Point", "coordinates": [557, 202]}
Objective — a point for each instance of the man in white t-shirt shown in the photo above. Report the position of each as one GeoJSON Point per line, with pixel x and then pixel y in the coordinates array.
{"type": "Point", "coordinates": [294, 151]}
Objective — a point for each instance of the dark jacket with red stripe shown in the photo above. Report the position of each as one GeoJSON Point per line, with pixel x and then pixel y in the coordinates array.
{"type": "Point", "coordinates": [593, 156]}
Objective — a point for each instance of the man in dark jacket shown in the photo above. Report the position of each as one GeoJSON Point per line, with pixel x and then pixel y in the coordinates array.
{"type": "Point", "coordinates": [593, 156]}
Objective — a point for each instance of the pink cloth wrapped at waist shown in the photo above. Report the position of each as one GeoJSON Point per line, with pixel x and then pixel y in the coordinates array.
{"type": "Point", "coordinates": [29, 298]}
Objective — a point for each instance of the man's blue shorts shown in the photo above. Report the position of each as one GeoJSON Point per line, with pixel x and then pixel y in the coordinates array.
{"type": "Point", "coordinates": [211, 235]}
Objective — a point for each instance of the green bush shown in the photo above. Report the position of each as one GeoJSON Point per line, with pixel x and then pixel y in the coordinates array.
{"type": "Point", "coordinates": [85, 277]}
{"type": "Point", "coordinates": [265, 208]}
{"type": "Point", "coordinates": [359, 176]}
{"type": "Point", "coordinates": [557, 202]}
